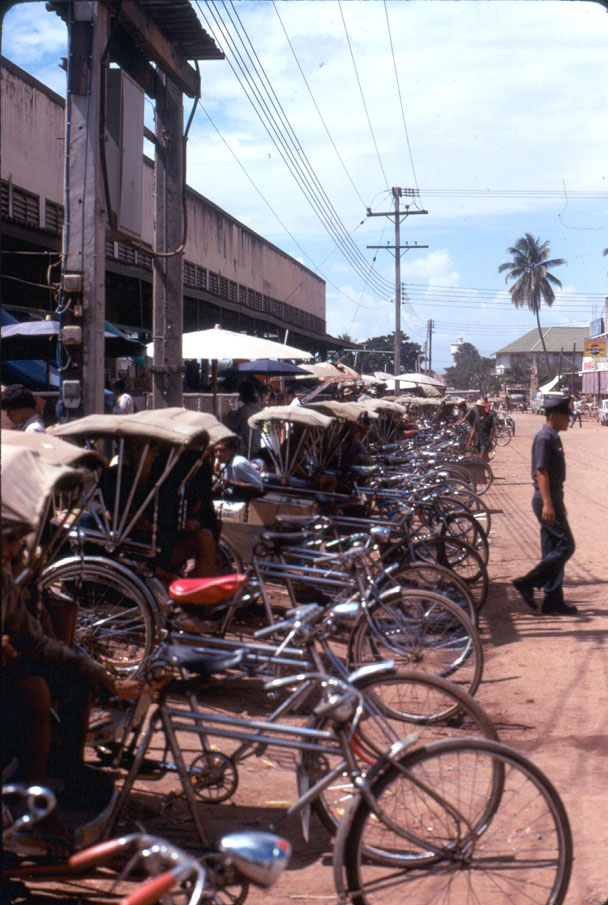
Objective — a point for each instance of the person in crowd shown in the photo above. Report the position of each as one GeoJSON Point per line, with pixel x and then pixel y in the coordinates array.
{"type": "Point", "coordinates": [239, 479]}
{"type": "Point", "coordinates": [40, 673]}
{"type": "Point", "coordinates": [21, 407]}
{"type": "Point", "coordinates": [123, 401]}
{"type": "Point", "coordinates": [556, 538]}
{"type": "Point", "coordinates": [237, 420]}
{"type": "Point", "coordinates": [577, 412]}
{"type": "Point", "coordinates": [483, 438]}
{"type": "Point", "coordinates": [291, 396]}
{"type": "Point", "coordinates": [469, 415]}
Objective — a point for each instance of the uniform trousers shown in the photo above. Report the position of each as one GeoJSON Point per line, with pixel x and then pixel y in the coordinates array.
{"type": "Point", "coordinates": [557, 546]}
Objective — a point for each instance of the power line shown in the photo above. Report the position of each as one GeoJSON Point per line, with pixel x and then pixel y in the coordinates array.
{"type": "Point", "coordinates": [312, 97]}
{"type": "Point", "coordinates": [407, 138]}
{"type": "Point", "coordinates": [314, 266]}
{"type": "Point", "coordinates": [371, 129]}
{"type": "Point", "coordinates": [267, 107]}
{"type": "Point", "coordinates": [516, 193]}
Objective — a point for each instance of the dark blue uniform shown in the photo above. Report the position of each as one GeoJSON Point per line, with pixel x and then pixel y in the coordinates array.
{"type": "Point", "coordinates": [557, 542]}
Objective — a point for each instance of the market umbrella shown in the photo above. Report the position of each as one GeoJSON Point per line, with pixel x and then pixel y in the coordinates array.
{"type": "Point", "coordinates": [38, 340]}
{"type": "Point", "coordinates": [266, 367]}
{"type": "Point", "coordinates": [218, 344]}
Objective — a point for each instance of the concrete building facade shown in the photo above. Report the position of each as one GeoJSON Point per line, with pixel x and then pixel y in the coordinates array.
{"type": "Point", "coordinates": [232, 275]}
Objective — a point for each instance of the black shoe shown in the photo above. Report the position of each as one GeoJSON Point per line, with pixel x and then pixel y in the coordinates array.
{"type": "Point", "coordinates": [559, 609]}
{"type": "Point", "coordinates": [527, 592]}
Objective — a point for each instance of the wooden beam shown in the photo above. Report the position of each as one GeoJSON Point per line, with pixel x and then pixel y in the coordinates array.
{"type": "Point", "coordinates": [150, 38]}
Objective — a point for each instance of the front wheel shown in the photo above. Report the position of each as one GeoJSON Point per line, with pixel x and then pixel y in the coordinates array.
{"type": "Point", "coordinates": [115, 622]}
{"type": "Point", "coordinates": [458, 821]}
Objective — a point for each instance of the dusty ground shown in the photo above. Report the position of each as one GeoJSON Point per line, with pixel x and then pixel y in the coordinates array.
{"type": "Point", "coordinates": [545, 681]}
{"type": "Point", "coordinates": [546, 678]}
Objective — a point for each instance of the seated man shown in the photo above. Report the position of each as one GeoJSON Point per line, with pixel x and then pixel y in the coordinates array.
{"type": "Point", "coordinates": [38, 672]}
{"type": "Point", "coordinates": [237, 475]}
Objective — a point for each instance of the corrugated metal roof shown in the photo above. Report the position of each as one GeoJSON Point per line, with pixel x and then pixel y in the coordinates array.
{"type": "Point", "coordinates": [556, 338]}
{"type": "Point", "coordinates": [180, 25]}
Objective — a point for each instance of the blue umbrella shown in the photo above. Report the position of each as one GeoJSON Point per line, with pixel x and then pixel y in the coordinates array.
{"type": "Point", "coordinates": [267, 367]}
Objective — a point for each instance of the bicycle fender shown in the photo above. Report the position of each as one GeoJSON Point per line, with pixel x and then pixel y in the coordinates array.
{"type": "Point", "coordinates": [383, 668]}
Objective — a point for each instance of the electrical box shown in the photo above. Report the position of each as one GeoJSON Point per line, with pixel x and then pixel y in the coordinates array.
{"type": "Point", "coordinates": [72, 282]}
{"type": "Point", "coordinates": [71, 336]}
{"type": "Point", "coordinates": [71, 393]}
{"type": "Point", "coordinates": [124, 151]}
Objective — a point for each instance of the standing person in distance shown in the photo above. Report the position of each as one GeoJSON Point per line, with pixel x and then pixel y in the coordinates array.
{"type": "Point", "coordinates": [577, 408]}
{"type": "Point", "coordinates": [123, 404]}
{"type": "Point", "coordinates": [556, 539]}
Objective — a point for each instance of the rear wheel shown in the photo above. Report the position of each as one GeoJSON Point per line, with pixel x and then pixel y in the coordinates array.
{"type": "Point", "coordinates": [419, 629]}
{"type": "Point", "coordinates": [395, 705]}
{"type": "Point", "coordinates": [460, 558]}
{"type": "Point", "coordinates": [115, 621]}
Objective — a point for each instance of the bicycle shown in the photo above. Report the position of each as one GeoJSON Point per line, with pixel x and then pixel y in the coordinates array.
{"type": "Point", "coordinates": [113, 869]}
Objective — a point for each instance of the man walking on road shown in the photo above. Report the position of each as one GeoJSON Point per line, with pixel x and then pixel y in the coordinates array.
{"type": "Point", "coordinates": [556, 540]}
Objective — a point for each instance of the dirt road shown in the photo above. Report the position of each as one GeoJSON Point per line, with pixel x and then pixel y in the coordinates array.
{"type": "Point", "coordinates": [546, 678]}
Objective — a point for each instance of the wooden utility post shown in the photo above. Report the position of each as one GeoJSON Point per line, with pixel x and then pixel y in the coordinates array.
{"type": "Point", "coordinates": [398, 248]}
{"type": "Point", "coordinates": [82, 304]}
{"type": "Point", "coordinates": [169, 238]}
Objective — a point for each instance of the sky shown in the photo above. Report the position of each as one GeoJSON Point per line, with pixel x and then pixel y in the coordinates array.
{"type": "Point", "coordinates": [495, 112]}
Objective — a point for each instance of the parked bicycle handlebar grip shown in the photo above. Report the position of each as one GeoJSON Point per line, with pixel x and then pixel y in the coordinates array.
{"type": "Point", "coordinates": [152, 890]}
{"type": "Point", "coordinates": [97, 854]}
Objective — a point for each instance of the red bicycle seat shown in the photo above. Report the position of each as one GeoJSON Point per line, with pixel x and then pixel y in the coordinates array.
{"type": "Point", "coordinates": [206, 591]}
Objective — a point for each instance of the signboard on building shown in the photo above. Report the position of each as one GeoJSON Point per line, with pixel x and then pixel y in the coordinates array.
{"type": "Point", "coordinates": [596, 327]}
{"type": "Point", "coordinates": [596, 348]}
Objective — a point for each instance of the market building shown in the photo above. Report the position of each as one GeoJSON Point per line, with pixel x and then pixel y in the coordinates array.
{"type": "Point", "coordinates": [565, 346]}
{"type": "Point", "coordinates": [231, 275]}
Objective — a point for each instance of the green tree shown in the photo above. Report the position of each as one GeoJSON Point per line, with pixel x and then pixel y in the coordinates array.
{"type": "Point", "coordinates": [470, 371]}
{"type": "Point", "coordinates": [533, 284]}
{"type": "Point", "coordinates": [371, 361]}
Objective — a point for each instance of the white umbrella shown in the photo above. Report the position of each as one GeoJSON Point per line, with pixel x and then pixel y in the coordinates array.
{"type": "Point", "coordinates": [218, 344]}
{"type": "Point", "coordinates": [409, 380]}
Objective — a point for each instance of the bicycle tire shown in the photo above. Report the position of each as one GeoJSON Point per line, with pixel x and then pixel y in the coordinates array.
{"type": "Point", "coordinates": [460, 558]}
{"type": "Point", "coordinates": [433, 577]}
{"type": "Point", "coordinates": [429, 705]}
{"type": "Point", "coordinates": [420, 629]}
{"type": "Point", "coordinates": [464, 498]}
{"type": "Point", "coordinates": [497, 820]}
{"type": "Point", "coordinates": [465, 526]}
{"type": "Point", "coordinates": [503, 436]}
{"type": "Point", "coordinates": [116, 624]}
{"type": "Point", "coordinates": [228, 560]}
{"type": "Point", "coordinates": [484, 474]}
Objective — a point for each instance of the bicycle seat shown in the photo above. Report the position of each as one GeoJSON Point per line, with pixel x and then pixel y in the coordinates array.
{"type": "Point", "coordinates": [296, 521]}
{"type": "Point", "coordinates": [206, 591]}
{"type": "Point", "coordinates": [203, 663]}
{"type": "Point", "coordinates": [280, 539]}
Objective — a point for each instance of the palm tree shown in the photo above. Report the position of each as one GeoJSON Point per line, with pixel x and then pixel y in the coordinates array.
{"type": "Point", "coordinates": [533, 284]}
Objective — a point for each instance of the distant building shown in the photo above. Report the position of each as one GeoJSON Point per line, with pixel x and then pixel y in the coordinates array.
{"type": "Point", "coordinates": [565, 347]}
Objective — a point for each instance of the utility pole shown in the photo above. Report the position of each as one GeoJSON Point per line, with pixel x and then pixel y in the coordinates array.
{"type": "Point", "coordinates": [430, 361]}
{"type": "Point", "coordinates": [398, 248]}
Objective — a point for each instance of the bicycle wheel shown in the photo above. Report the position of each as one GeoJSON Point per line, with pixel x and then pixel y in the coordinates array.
{"type": "Point", "coordinates": [458, 556]}
{"type": "Point", "coordinates": [482, 474]}
{"type": "Point", "coordinates": [419, 629]}
{"type": "Point", "coordinates": [396, 705]}
{"type": "Point", "coordinates": [460, 821]}
{"type": "Point", "coordinates": [116, 624]}
{"type": "Point", "coordinates": [433, 577]}
{"type": "Point", "coordinates": [503, 436]}
{"type": "Point", "coordinates": [463, 498]}
{"type": "Point", "coordinates": [227, 559]}
{"type": "Point", "coordinates": [465, 527]}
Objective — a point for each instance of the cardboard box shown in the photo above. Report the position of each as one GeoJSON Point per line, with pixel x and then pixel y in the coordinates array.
{"type": "Point", "coordinates": [263, 511]}
{"type": "Point", "coordinates": [230, 512]}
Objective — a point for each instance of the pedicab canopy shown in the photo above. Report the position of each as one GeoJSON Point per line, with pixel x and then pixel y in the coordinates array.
{"type": "Point", "coordinates": [383, 405]}
{"type": "Point", "coordinates": [175, 426]}
{"type": "Point", "coordinates": [54, 450]}
{"type": "Point", "coordinates": [28, 480]}
{"type": "Point", "coordinates": [290, 414]}
{"type": "Point", "coordinates": [347, 411]}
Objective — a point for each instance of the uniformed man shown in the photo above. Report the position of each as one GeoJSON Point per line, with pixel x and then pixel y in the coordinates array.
{"type": "Point", "coordinates": [556, 540]}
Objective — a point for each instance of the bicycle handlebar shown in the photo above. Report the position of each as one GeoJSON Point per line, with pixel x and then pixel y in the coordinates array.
{"type": "Point", "coordinates": [151, 891]}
